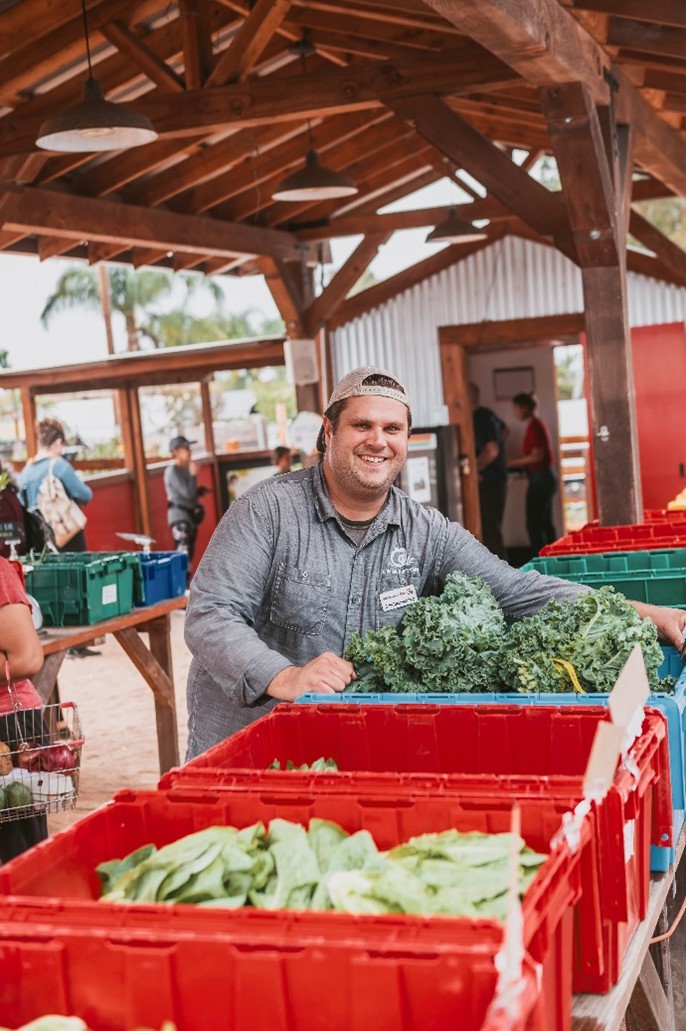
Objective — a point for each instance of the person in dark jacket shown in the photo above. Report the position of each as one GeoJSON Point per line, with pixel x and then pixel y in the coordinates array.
{"type": "Point", "coordinates": [184, 511]}
{"type": "Point", "coordinates": [491, 464]}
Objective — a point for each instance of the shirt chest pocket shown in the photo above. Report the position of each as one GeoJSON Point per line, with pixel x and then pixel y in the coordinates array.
{"type": "Point", "coordinates": [395, 594]}
{"type": "Point", "coordinates": [300, 599]}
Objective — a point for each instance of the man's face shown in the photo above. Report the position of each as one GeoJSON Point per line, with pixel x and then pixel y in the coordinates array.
{"type": "Point", "coordinates": [182, 456]}
{"type": "Point", "coordinates": [368, 448]}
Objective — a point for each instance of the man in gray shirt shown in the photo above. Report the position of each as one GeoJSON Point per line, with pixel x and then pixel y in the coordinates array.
{"type": "Point", "coordinates": [184, 512]}
{"type": "Point", "coordinates": [301, 562]}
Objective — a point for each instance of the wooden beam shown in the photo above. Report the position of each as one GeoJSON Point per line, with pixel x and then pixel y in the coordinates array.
{"type": "Point", "coordinates": [649, 1009]}
{"type": "Point", "coordinates": [330, 299]}
{"type": "Point", "coordinates": [252, 37]}
{"type": "Point", "coordinates": [588, 188]}
{"type": "Point", "coordinates": [648, 38]}
{"type": "Point", "coordinates": [378, 294]}
{"type": "Point", "coordinates": [133, 47]}
{"type": "Point", "coordinates": [263, 100]}
{"type": "Point", "coordinates": [394, 221]}
{"type": "Point", "coordinates": [454, 137]}
{"type": "Point", "coordinates": [546, 45]}
{"type": "Point", "coordinates": [658, 12]}
{"type": "Point", "coordinates": [87, 218]}
{"type": "Point", "coordinates": [456, 397]}
{"type": "Point", "coordinates": [286, 293]}
{"type": "Point", "coordinates": [666, 251]}
{"type": "Point", "coordinates": [513, 331]}
{"type": "Point", "coordinates": [197, 42]}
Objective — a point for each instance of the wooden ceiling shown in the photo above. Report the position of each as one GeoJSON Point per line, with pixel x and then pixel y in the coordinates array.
{"type": "Point", "coordinates": [396, 93]}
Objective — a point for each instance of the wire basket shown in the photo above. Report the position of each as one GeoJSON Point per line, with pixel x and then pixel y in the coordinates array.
{"type": "Point", "coordinates": [40, 750]}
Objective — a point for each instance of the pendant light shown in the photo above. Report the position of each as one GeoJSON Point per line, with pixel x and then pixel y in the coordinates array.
{"type": "Point", "coordinates": [94, 123]}
{"type": "Point", "coordinates": [454, 229]}
{"type": "Point", "coordinates": [314, 181]}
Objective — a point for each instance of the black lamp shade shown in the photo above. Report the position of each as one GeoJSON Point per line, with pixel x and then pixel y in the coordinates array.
{"type": "Point", "coordinates": [455, 230]}
{"type": "Point", "coordinates": [95, 124]}
{"type": "Point", "coordinates": [314, 182]}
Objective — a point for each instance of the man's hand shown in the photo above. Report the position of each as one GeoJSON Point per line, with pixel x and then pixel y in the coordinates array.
{"type": "Point", "coordinates": [670, 623]}
{"type": "Point", "coordinates": [327, 674]}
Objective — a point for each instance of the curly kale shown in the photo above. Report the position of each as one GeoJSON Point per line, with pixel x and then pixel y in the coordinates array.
{"type": "Point", "coordinates": [446, 643]}
{"type": "Point", "coordinates": [459, 642]}
{"type": "Point", "coordinates": [593, 634]}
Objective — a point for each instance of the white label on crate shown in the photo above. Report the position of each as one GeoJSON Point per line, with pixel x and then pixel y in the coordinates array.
{"type": "Point", "coordinates": [109, 594]}
{"type": "Point", "coordinates": [629, 840]}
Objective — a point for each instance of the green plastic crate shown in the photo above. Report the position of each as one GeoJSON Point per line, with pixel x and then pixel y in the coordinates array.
{"type": "Point", "coordinates": [657, 577]}
{"type": "Point", "coordinates": [77, 589]}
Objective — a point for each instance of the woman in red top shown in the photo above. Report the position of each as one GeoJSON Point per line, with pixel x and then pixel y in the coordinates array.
{"type": "Point", "coordinates": [19, 645]}
{"type": "Point", "coordinates": [537, 462]}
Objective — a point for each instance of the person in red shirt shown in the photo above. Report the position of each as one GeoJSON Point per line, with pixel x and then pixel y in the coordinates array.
{"type": "Point", "coordinates": [23, 653]}
{"type": "Point", "coordinates": [538, 464]}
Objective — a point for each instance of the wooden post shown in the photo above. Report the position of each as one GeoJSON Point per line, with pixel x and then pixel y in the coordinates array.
{"type": "Point", "coordinates": [456, 396]}
{"type": "Point", "coordinates": [140, 472]}
{"type": "Point", "coordinates": [28, 407]}
{"type": "Point", "coordinates": [595, 169]}
{"type": "Point", "coordinates": [210, 446]}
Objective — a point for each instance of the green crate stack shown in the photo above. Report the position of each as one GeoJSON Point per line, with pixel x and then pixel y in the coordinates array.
{"type": "Point", "coordinates": [80, 588]}
{"type": "Point", "coordinates": [657, 577]}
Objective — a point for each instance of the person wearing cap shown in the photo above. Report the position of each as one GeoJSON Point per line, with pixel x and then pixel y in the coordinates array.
{"type": "Point", "coordinates": [184, 511]}
{"type": "Point", "coordinates": [301, 562]}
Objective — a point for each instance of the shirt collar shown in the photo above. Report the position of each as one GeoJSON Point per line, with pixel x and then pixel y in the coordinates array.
{"type": "Point", "coordinates": [388, 516]}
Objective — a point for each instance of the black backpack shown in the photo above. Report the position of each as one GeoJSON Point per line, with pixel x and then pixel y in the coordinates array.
{"type": "Point", "coordinates": [12, 522]}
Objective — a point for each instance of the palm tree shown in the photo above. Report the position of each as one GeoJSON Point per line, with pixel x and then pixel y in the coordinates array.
{"type": "Point", "coordinates": [137, 295]}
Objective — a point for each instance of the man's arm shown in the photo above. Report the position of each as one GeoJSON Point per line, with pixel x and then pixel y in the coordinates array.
{"type": "Point", "coordinates": [670, 623]}
{"type": "Point", "coordinates": [227, 593]}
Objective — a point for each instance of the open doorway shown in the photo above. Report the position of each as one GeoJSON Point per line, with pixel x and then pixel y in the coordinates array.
{"type": "Point", "coordinates": [574, 445]}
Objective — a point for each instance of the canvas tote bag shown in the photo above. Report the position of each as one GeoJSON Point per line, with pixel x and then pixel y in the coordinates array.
{"type": "Point", "coordinates": [60, 512]}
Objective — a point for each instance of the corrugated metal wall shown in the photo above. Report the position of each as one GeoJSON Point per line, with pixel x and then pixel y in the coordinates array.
{"type": "Point", "coordinates": [512, 279]}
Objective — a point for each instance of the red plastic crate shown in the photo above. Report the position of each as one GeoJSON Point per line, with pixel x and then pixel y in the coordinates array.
{"type": "Point", "coordinates": [116, 980]}
{"type": "Point", "coordinates": [654, 536]}
{"type": "Point", "coordinates": [546, 741]}
{"type": "Point", "coordinates": [56, 881]}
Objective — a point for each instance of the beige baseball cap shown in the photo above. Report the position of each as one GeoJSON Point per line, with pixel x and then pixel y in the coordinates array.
{"type": "Point", "coordinates": [355, 384]}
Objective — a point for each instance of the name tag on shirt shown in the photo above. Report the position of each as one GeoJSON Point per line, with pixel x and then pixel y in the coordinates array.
{"type": "Point", "coordinates": [398, 598]}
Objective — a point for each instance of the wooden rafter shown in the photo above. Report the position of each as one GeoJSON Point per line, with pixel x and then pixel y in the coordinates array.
{"type": "Point", "coordinates": [664, 12]}
{"type": "Point", "coordinates": [334, 293]}
{"type": "Point", "coordinates": [669, 254]}
{"type": "Point", "coordinates": [453, 136]}
{"type": "Point", "coordinates": [252, 37]}
{"type": "Point", "coordinates": [378, 294]}
{"type": "Point", "coordinates": [197, 41]}
{"type": "Point", "coordinates": [129, 44]}
{"type": "Point", "coordinates": [520, 32]}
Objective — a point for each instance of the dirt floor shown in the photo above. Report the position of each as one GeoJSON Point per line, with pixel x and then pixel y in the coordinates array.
{"type": "Point", "coordinates": [118, 715]}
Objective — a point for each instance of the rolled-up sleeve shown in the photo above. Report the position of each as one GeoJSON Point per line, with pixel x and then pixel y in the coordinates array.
{"type": "Point", "coordinates": [519, 594]}
{"type": "Point", "coordinates": [227, 591]}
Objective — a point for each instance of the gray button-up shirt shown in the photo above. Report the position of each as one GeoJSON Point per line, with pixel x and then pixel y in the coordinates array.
{"type": "Point", "coordinates": [281, 582]}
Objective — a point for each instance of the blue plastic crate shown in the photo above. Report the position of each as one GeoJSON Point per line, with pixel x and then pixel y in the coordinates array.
{"type": "Point", "coordinates": [673, 708]}
{"type": "Point", "coordinates": [163, 575]}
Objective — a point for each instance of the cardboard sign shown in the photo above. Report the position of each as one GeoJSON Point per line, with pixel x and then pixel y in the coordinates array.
{"type": "Point", "coordinates": [605, 753]}
{"type": "Point", "coordinates": [631, 691]}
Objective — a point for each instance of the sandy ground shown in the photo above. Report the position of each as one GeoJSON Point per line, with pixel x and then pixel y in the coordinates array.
{"type": "Point", "coordinates": [118, 716]}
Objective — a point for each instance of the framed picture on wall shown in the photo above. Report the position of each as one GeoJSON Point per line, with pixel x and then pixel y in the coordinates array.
{"type": "Point", "coordinates": [517, 380]}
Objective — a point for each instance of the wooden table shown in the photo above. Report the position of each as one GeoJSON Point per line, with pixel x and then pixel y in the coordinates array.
{"type": "Point", "coordinates": [642, 998]}
{"type": "Point", "coordinates": [153, 663]}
